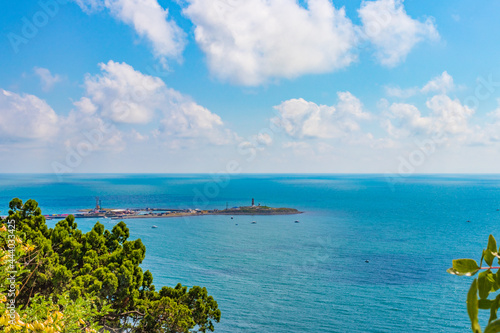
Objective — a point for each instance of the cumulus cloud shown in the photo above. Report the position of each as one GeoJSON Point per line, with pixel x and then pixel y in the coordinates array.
{"type": "Point", "coordinates": [149, 20]}
{"type": "Point", "coordinates": [26, 117]}
{"type": "Point", "coordinates": [85, 106]}
{"type": "Point", "coordinates": [447, 118]}
{"type": "Point", "coordinates": [46, 78]}
{"type": "Point", "coordinates": [256, 143]}
{"type": "Point", "coordinates": [302, 119]}
{"type": "Point", "coordinates": [253, 42]}
{"type": "Point", "coordinates": [250, 42]}
{"type": "Point", "coordinates": [124, 95]}
{"type": "Point", "coordinates": [89, 129]}
{"type": "Point", "coordinates": [441, 84]}
{"type": "Point", "coordinates": [392, 31]}
{"type": "Point", "coordinates": [185, 119]}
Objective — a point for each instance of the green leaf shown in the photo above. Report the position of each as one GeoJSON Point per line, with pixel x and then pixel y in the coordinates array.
{"type": "Point", "coordinates": [494, 309]}
{"type": "Point", "coordinates": [493, 327]}
{"type": "Point", "coordinates": [485, 304]}
{"type": "Point", "coordinates": [473, 307]}
{"type": "Point", "coordinates": [491, 250]}
{"type": "Point", "coordinates": [485, 283]}
{"type": "Point", "coordinates": [497, 278]}
{"type": "Point", "coordinates": [467, 267]}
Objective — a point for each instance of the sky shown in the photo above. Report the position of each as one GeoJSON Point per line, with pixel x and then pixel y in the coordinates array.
{"type": "Point", "coordinates": [249, 86]}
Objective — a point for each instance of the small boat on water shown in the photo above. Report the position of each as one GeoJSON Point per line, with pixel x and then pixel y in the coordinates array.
{"type": "Point", "coordinates": [154, 227]}
{"type": "Point", "coordinates": [297, 221]}
{"type": "Point", "coordinates": [253, 222]}
{"type": "Point", "coordinates": [231, 217]}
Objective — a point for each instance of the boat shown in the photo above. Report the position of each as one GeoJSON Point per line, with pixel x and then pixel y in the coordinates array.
{"type": "Point", "coordinates": [297, 221]}
{"type": "Point", "coordinates": [154, 227]}
{"type": "Point", "coordinates": [231, 217]}
{"type": "Point", "coordinates": [253, 222]}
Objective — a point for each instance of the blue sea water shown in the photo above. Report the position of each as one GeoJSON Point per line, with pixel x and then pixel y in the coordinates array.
{"type": "Point", "coordinates": [279, 276]}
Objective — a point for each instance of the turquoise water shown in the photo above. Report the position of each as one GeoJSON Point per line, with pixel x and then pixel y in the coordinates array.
{"type": "Point", "coordinates": [279, 276]}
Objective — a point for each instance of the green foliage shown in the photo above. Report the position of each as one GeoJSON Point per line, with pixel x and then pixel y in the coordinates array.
{"type": "Point", "coordinates": [96, 276]}
{"type": "Point", "coordinates": [486, 283]}
{"type": "Point", "coordinates": [467, 267]}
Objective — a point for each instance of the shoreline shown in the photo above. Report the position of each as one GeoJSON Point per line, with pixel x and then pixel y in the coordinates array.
{"type": "Point", "coordinates": [162, 212]}
{"type": "Point", "coordinates": [200, 214]}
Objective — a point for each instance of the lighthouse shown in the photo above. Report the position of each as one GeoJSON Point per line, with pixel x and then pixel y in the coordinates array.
{"type": "Point", "coordinates": [253, 202]}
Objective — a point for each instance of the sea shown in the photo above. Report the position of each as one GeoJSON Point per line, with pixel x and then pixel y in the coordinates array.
{"type": "Point", "coordinates": [369, 252]}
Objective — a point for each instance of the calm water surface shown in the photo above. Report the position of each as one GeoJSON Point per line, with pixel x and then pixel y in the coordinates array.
{"type": "Point", "coordinates": [279, 276]}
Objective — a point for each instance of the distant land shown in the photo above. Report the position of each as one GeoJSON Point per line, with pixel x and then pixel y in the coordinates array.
{"type": "Point", "coordinates": [136, 213]}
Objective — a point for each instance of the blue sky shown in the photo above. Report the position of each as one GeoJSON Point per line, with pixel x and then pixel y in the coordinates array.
{"type": "Point", "coordinates": [381, 86]}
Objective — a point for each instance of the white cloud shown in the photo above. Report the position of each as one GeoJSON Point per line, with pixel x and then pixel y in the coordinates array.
{"type": "Point", "coordinates": [452, 116]}
{"type": "Point", "coordinates": [264, 139]}
{"type": "Point", "coordinates": [81, 128]}
{"type": "Point", "coordinates": [46, 78]}
{"type": "Point", "coordinates": [250, 42]}
{"type": "Point", "coordinates": [302, 119]}
{"type": "Point", "coordinates": [490, 132]}
{"type": "Point", "coordinates": [392, 31]}
{"type": "Point", "coordinates": [441, 84]}
{"type": "Point", "coordinates": [186, 120]}
{"type": "Point", "coordinates": [448, 118]}
{"type": "Point", "coordinates": [85, 106]}
{"type": "Point", "coordinates": [253, 42]}
{"type": "Point", "coordinates": [408, 120]}
{"type": "Point", "coordinates": [495, 114]}
{"type": "Point", "coordinates": [124, 95]}
{"type": "Point", "coordinates": [256, 143]}
{"type": "Point", "coordinates": [149, 20]}
{"type": "Point", "coordinates": [26, 117]}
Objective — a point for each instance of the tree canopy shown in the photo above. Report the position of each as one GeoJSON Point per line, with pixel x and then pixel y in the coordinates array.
{"type": "Point", "coordinates": [70, 281]}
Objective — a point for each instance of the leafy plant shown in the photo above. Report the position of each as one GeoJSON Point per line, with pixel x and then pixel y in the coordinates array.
{"type": "Point", "coordinates": [487, 282]}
